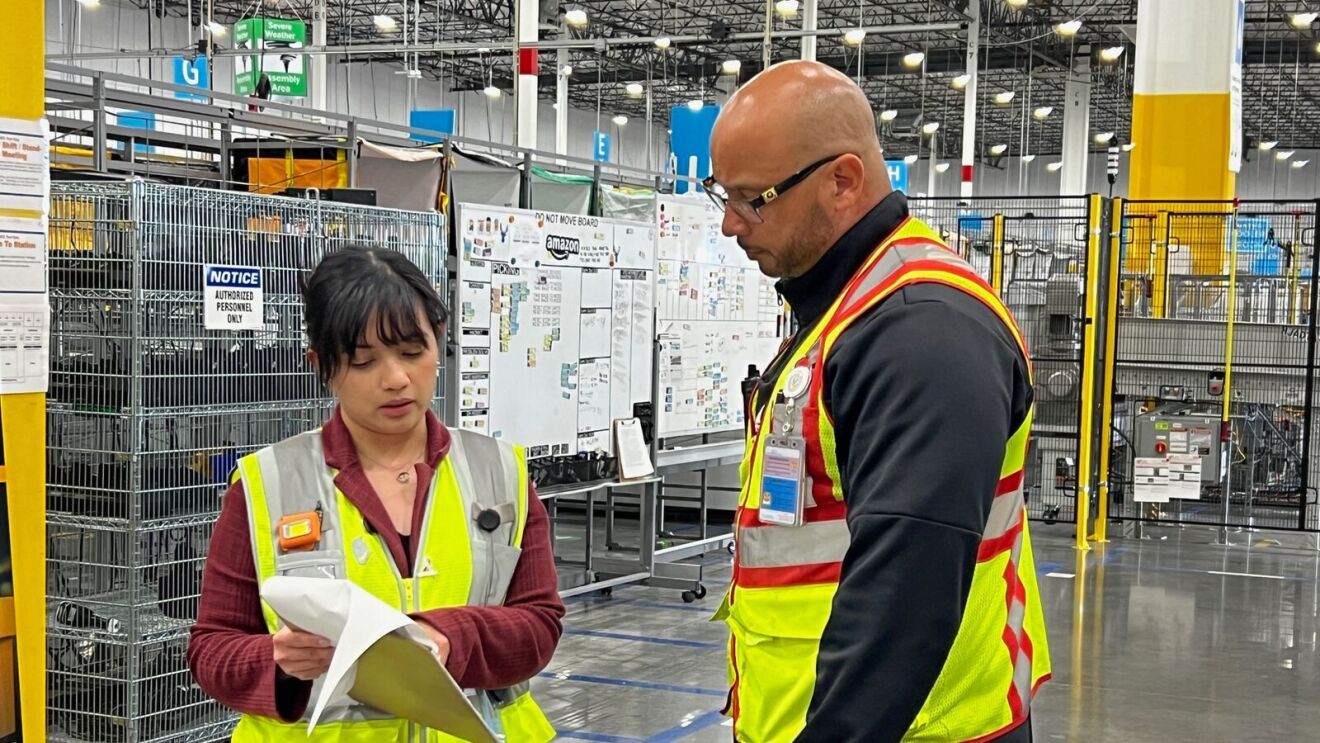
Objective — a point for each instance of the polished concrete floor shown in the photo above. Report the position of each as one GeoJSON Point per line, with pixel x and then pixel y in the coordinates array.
{"type": "Point", "coordinates": [1168, 638]}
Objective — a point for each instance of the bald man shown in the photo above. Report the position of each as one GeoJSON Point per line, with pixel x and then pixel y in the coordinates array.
{"type": "Point", "coordinates": [883, 588]}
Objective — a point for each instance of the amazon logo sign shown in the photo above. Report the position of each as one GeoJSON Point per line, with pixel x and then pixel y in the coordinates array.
{"type": "Point", "coordinates": [560, 248]}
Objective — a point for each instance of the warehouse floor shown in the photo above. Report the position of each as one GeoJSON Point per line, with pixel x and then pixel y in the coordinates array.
{"type": "Point", "coordinates": [1174, 639]}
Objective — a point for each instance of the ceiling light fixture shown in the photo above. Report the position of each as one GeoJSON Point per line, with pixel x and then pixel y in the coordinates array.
{"type": "Point", "coordinates": [1112, 53]}
{"type": "Point", "coordinates": [1069, 28]}
{"type": "Point", "coordinates": [786, 8]}
{"type": "Point", "coordinates": [492, 92]}
{"type": "Point", "coordinates": [999, 149]}
{"type": "Point", "coordinates": [1283, 154]}
{"type": "Point", "coordinates": [1300, 163]}
{"type": "Point", "coordinates": [960, 82]}
{"type": "Point", "coordinates": [731, 66]}
{"type": "Point", "coordinates": [1028, 158]}
{"type": "Point", "coordinates": [1005, 97]}
{"type": "Point", "coordinates": [384, 23]}
{"type": "Point", "coordinates": [1129, 146]}
{"type": "Point", "coordinates": [1302, 21]}
{"type": "Point", "coordinates": [910, 159]}
{"type": "Point", "coordinates": [566, 70]}
{"type": "Point", "coordinates": [216, 29]}
{"type": "Point", "coordinates": [1054, 167]}
{"type": "Point", "coordinates": [695, 105]}
{"type": "Point", "coordinates": [663, 42]}
{"type": "Point", "coordinates": [888, 115]}
{"type": "Point", "coordinates": [621, 120]}
{"type": "Point", "coordinates": [635, 90]}
{"type": "Point", "coordinates": [576, 17]}
{"type": "Point", "coordinates": [1104, 137]}
{"type": "Point", "coordinates": [941, 168]}
{"type": "Point", "coordinates": [1016, 4]}
{"type": "Point", "coordinates": [914, 59]}
{"type": "Point", "coordinates": [1043, 113]}
{"type": "Point", "coordinates": [1268, 145]}
{"type": "Point", "coordinates": [930, 127]}
{"type": "Point", "coordinates": [90, 3]}
{"type": "Point", "coordinates": [854, 37]}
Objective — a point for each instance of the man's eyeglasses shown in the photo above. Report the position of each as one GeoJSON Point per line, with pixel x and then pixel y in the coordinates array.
{"type": "Point", "coordinates": [750, 210]}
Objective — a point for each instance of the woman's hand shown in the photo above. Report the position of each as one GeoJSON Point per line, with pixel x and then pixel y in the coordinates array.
{"type": "Point", "coordinates": [438, 638]}
{"type": "Point", "coordinates": [302, 655]}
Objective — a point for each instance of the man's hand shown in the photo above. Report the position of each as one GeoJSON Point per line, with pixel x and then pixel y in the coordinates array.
{"type": "Point", "coordinates": [302, 655]}
{"type": "Point", "coordinates": [438, 638]}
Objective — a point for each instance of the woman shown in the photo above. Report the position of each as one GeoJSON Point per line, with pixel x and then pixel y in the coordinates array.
{"type": "Point", "coordinates": [441, 524]}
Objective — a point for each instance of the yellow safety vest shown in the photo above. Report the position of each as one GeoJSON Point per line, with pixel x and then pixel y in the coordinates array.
{"type": "Point", "coordinates": [785, 577]}
{"type": "Point", "coordinates": [458, 564]}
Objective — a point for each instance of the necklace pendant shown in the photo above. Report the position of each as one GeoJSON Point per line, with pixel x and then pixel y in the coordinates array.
{"type": "Point", "coordinates": [405, 477]}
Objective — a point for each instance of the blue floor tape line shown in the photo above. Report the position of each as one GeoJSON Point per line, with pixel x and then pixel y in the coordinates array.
{"type": "Point", "coordinates": [679, 732]}
{"type": "Point", "coordinates": [644, 638]}
{"type": "Point", "coordinates": [648, 685]}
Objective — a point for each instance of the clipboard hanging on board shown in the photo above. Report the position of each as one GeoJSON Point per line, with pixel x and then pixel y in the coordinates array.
{"type": "Point", "coordinates": [630, 448]}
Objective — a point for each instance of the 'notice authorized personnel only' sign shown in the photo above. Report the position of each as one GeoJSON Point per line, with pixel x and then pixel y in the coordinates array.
{"type": "Point", "coordinates": [232, 297]}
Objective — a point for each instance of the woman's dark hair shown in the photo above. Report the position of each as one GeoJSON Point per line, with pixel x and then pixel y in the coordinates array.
{"type": "Point", "coordinates": [351, 284]}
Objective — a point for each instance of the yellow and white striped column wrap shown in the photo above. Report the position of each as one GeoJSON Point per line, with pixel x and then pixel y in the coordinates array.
{"type": "Point", "coordinates": [1186, 109]}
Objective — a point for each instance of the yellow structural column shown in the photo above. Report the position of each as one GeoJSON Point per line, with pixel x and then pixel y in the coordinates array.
{"type": "Point", "coordinates": [1186, 110]}
{"type": "Point", "coordinates": [23, 416]}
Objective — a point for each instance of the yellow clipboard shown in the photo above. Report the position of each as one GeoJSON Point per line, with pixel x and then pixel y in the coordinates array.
{"type": "Point", "coordinates": [398, 676]}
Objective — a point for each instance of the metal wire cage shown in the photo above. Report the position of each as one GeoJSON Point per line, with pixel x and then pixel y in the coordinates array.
{"type": "Point", "coordinates": [149, 411]}
{"type": "Point", "coordinates": [1033, 252]}
{"type": "Point", "coordinates": [1207, 289]}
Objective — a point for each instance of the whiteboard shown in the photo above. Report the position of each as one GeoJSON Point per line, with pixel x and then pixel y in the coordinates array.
{"type": "Point", "coordinates": [717, 314]}
{"type": "Point", "coordinates": [555, 326]}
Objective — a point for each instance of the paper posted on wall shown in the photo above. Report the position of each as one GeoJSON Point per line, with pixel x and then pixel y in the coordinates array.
{"type": "Point", "coordinates": [1150, 480]}
{"type": "Point", "coordinates": [24, 342]}
{"type": "Point", "coordinates": [381, 659]}
{"type": "Point", "coordinates": [1185, 477]}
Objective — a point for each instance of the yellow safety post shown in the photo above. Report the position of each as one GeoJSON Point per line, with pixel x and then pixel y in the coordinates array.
{"type": "Point", "coordinates": [997, 255]}
{"type": "Point", "coordinates": [1294, 273]}
{"type": "Point", "coordinates": [1086, 416]}
{"type": "Point", "coordinates": [1101, 534]}
{"type": "Point", "coordinates": [1226, 431]}
{"type": "Point", "coordinates": [1159, 267]}
{"type": "Point", "coordinates": [23, 416]}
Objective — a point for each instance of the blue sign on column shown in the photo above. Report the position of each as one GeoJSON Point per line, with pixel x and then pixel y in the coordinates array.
{"type": "Point", "coordinates": [898, 174]}
{"type": "Point", "coordinates": [601, 147]}
{"type": "Point", "coordinates": [195, 73]}
{"type": "Point", "coordinates": [689, 142]}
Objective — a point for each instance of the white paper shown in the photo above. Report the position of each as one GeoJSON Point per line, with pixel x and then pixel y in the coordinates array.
{"type": "Point", "coordinates": [23, 255]}
{"type": "Point", "coordinates": [24, 343]}
{"type": "Point", "coordinates": [345, 614]}
{"type": "Point", "coordinates": [1150, 480]}
{"type": "Point", "coordinates": [24, 165]}
{"type": "Point", "coordinates": [1185, 477]}
{"type": "Point", "coordinates": [232, 298]}
{"type": "Point", "coordinates": [634, 457]}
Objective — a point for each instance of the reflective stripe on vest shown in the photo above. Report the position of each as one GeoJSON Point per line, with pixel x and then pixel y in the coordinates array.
{"type": "Point", "coordinates": [785, 577]}
{"type": "Point", "coordinates": [457, 562]}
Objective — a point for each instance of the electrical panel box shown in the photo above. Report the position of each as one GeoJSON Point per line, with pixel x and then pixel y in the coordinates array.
{"type": "Point", "coordinates": [1164, 434]}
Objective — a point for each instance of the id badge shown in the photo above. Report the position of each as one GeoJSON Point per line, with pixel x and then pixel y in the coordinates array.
{"type": "Point", "coordinates": [783, 481]}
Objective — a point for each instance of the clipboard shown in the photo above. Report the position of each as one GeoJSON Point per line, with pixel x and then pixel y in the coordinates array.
{"type": "Point", "coordinates": [425, 694]}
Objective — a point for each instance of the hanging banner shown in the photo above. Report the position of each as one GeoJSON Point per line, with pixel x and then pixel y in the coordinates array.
{"type": "Point", "coordinates": [689, 143]}
{"type": "Point", "coordinates": [193, 72]}
{"type": "Point", "coordinates": [275, 43]}
{"type": "Point", "coordinates": [601, 147]}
